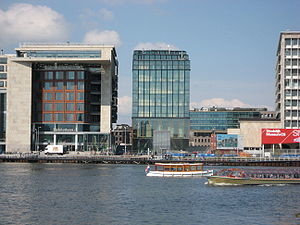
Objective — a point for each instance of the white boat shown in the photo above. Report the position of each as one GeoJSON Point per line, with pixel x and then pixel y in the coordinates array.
{"type": "Point", "coordinates": [177, 170]}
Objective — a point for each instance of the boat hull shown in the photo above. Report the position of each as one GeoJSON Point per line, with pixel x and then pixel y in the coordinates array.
{"type": "Point", "coordinates": [218, 180]}
{"type": "Point", "coordinates": [203, 173]}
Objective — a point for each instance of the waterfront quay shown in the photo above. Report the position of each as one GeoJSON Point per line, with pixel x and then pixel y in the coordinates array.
{"type": "Point", "coordinates": [145, 159]}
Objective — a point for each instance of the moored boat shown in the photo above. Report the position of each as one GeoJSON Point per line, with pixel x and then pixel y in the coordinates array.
{"type": "Point", "coordinates": [236, 176]}
{"type": "Point", "coordinates": [177, 170]}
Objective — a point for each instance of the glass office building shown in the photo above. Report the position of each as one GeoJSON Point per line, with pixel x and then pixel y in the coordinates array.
{"type": "Point", "coordinates": [161, 97]}
{"type": "Point", "coordinates": [220, 119]}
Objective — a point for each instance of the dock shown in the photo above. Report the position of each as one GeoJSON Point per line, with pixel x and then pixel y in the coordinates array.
{"type": "Point", "coordinates": [132, 159]}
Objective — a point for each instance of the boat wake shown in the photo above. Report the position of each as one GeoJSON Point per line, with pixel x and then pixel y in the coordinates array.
{"type": "Point", "coordinates": [269, 185]}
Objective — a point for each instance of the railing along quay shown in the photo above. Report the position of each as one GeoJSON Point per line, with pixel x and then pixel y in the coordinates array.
{"type": "Point", "coordinates": [128, 159]}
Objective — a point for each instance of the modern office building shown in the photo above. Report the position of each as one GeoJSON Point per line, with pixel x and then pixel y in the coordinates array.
{"type": "Point", "coordinates": [205, 121]}
{"type": "Point", "coordinates": [3, 85]}
{"type": "Point", "coordinates": [63, 94]}
{"type": "Point", "coordinates": [161, 97]}
{"type": "Point", "coordinates": [288, 80]}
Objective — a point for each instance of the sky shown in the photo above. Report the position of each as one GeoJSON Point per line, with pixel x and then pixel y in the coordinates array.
{"type": "Point", "coordinates": [232, 44]}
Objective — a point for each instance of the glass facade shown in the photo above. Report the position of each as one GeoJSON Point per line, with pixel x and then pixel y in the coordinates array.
{"type": "Point", "coordinates": [61, 54]}
{"type": "Point", "coordinates": [161, 94]}
{"type": "Point", "coordinates": [220, 120]}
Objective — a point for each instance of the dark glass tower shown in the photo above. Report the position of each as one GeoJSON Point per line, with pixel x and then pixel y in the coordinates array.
{"type": "Point", "coordinates": [161, 98]}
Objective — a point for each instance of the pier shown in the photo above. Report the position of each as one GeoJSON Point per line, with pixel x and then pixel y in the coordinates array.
{"type": "Point", "coordinates": [132, 159]}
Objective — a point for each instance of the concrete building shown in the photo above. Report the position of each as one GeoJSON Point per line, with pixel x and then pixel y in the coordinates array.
{"type": "Point", "coordinates": [250, 133]}
{"type": "Point", "coordinates": [287, 93]}
{"type": "Point", "coordinates": [161, 98]}
{"type": "Point", "coordinates": [62, 94]}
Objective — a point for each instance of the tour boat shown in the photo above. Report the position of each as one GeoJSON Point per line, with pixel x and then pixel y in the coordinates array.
{"type": "Point", "coordinates": [236, 176]}
{"type": "Point", "coordinates": [177, 170]}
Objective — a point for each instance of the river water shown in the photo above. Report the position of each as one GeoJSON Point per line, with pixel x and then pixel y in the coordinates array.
{"type": "Point", "coordinates": [122, 194]}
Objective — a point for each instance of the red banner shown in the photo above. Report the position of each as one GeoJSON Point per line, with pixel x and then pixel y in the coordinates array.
{"type": "Point", "coordinates": [280, 136]}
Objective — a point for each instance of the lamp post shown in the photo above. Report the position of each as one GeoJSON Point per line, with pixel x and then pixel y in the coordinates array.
{"type": "Point", "coordinates": [125, 141]}
{"type": "Point", "coordinates": [38, 138]}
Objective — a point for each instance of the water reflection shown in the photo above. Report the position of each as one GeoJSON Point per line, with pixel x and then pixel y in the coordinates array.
{"type": "Point", "coordinates": [122, 194]}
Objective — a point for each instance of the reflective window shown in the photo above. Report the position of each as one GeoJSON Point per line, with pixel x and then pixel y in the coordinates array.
{"type": "Point", "coordinates": [80, 75]}
{"type": "Point", "coordinates": [70, 117]}
{"type": "Point", "coordinates": [80, 96]}
{"type": "Point", "coordinates": [70, 75]}
{"type": "Point", "coordinates": [59, 106]}
{"type": "Point", "coordinates": [70, 107]}
{"type": "Point", "coordinates": [59, 75]}
{"type": "Point", "coordinates": [59, 85]}
{"type": "Point", "coordinates": [80, 116]}
{"type": "Point", "coordinates": [70, 85]}
{"type": "Point", "coordinates": [48, 75]}
{"type": "Point", "coordinates": [47, 117]}
{"type": "Point", "coordinates": [59, 96]}
{"type": "Point", "coordinates": [80, 106]}
{"type": "Point", "coordinates": [70, 96]}
{"type": "Point", "coordinates": [80, 85]}
{"type": "Point", "coordinates": [59, 117]}
{"type": "Point", "coordinates": [47, 96]}
{"type": "Point", "coordinates": [48, 106]}
{"type": "Point", "coordinates": [48, 85]}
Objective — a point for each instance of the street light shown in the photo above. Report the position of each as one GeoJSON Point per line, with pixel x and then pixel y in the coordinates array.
{"type": "Point", "coordinates": [38, 138]}
{"type": "Point", "coordinates": [125, 141]}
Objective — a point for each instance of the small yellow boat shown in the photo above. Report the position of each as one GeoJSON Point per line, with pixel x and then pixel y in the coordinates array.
{"type": "Point", "coordinates": [236, 176]}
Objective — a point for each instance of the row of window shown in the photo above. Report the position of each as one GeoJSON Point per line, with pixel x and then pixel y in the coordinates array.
{"type": "Point", "coordinates": [292, 72]}
{"type": "Point", "coordinates": [69, 85]}
{"type": "Point", "coordinates": [292, 102]}
{"type": "Point", "coordinates": [63, 117]}
{"type": "Point", "coordinates": [63, 54]}
{"type": "Point", "coordinates": [62, 96]}
{"type": "Point", "coordinates": [291, 124]}
{"type": "Point", "coordinates": [292, 52]}
{"type": "Point", "coordinates": [161, 65]}
{"type": "Point", "coordinates": [292, 41]}
{"type": "Point", "coordinates": [63, 75]}
{"type": "Point", "coordinates": [292, 62]}
{"type": "Point", "coordinates": [63, 107]}
{"type": "Point", "coordinates": [293, 113]}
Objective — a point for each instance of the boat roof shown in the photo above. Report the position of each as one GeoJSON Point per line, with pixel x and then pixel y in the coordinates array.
{"type": "Point", "coordinates": [178, 164]}
{"type": "Point", "coordinates": [267, 170]}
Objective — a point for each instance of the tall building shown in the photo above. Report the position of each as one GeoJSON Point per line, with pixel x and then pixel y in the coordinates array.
{"type": "Point", "coordinates": [288, 80]}
{"type": "Point", "coordinates": [3, 85]}
{"type": "Point", "coordinates": [63, 94]}
{"type": "Point", "coordinates": [161, 97]}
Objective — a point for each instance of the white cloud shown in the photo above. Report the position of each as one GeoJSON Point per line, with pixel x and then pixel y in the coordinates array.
{"type": "Point", "coordinates": [124, 105]}
{"type": "Point", "coordinates": [118, 2]}
{"type": "Point", "coordinates": [108, 37]}
{"type": "Point", "coordinates": [220, 102]}
{"type": "Point", "coordinates": [106, 14]}
{"type": "Point", "coordinates": [155, 46]}
{"type": "Point", "coordinates": [26, 22]}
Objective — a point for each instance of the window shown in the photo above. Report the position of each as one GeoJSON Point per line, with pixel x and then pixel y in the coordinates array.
{"type": "Point", "coordinates": [48, 75]}
{"type": "Point", "coordinates": [59, 75]}
{"type": "Point", "coordinates": [70, 85]}
{"type": "Point", "coordinates": [48, 106]}
{"type": "Point", "coordinates": [1, 68]}
{"type": "Point", "coordinates": [47, 117]}
{"type": "Point", "coordinates": [80, 96]}
{"type": "Point", "coordinates": [59, 96]}
{"type": "Point", "coordinates": [47, 96]}
{"type": "Point", "coordinates": [3, 76]}
{"type": "Point", "coordinates": [80, 75]}
{"type": "Point", "coordinates": [70, 106]}
{"type": "Point", "coordinates": [59, 85]}
{"type": "Point", "coordinates": [70, 96]}
{"type": "Point", "coordinates": [80, 117]}
{"type": "Point", "coordinates": [70, 75]}
{"type": "Point", "coordinates": [59, 117]}
{"type": "Point", "coordinates": [80, 85]}
{"type": "Point", "coordinates": [70, 117]}
{"type": "Point", "coordinates": [80, 106]}
{"type": "Point", "coordinates": [59, 107]}
{"type": "Point", "coordinates": [48, 85]}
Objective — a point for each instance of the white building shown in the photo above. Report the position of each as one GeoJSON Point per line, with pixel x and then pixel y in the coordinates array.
{"type": "Point", "coordinates": [288, 80]}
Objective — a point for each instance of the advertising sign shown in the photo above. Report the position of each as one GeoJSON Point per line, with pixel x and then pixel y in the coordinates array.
{"type": "Point", "coordinates": [280, 136]}
{"type": "Point", "coordinates": [227, 141]}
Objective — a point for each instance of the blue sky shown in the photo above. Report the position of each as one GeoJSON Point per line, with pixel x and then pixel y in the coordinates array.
{"type": "Point", "coordinates": [232, 44]}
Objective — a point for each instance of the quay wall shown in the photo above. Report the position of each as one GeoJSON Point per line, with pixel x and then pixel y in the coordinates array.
{"type": "Point", "coordinates": [103, 159]}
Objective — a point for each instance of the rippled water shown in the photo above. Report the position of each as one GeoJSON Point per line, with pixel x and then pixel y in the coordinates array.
{"type": "Point", "coordinates": [122, 194]}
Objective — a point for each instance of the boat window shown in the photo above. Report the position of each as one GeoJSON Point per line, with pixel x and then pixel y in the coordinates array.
{"type": "Point", "coordinates": [160, 168]}
{"type": "Point", "coordinates": [199, 167]}
{"type": "Point", "coordinates": [193, 168]}
{"type": "Point", "coordinates": [179, 168]}
{"type": "Point", "coordinates": [186, 168]}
